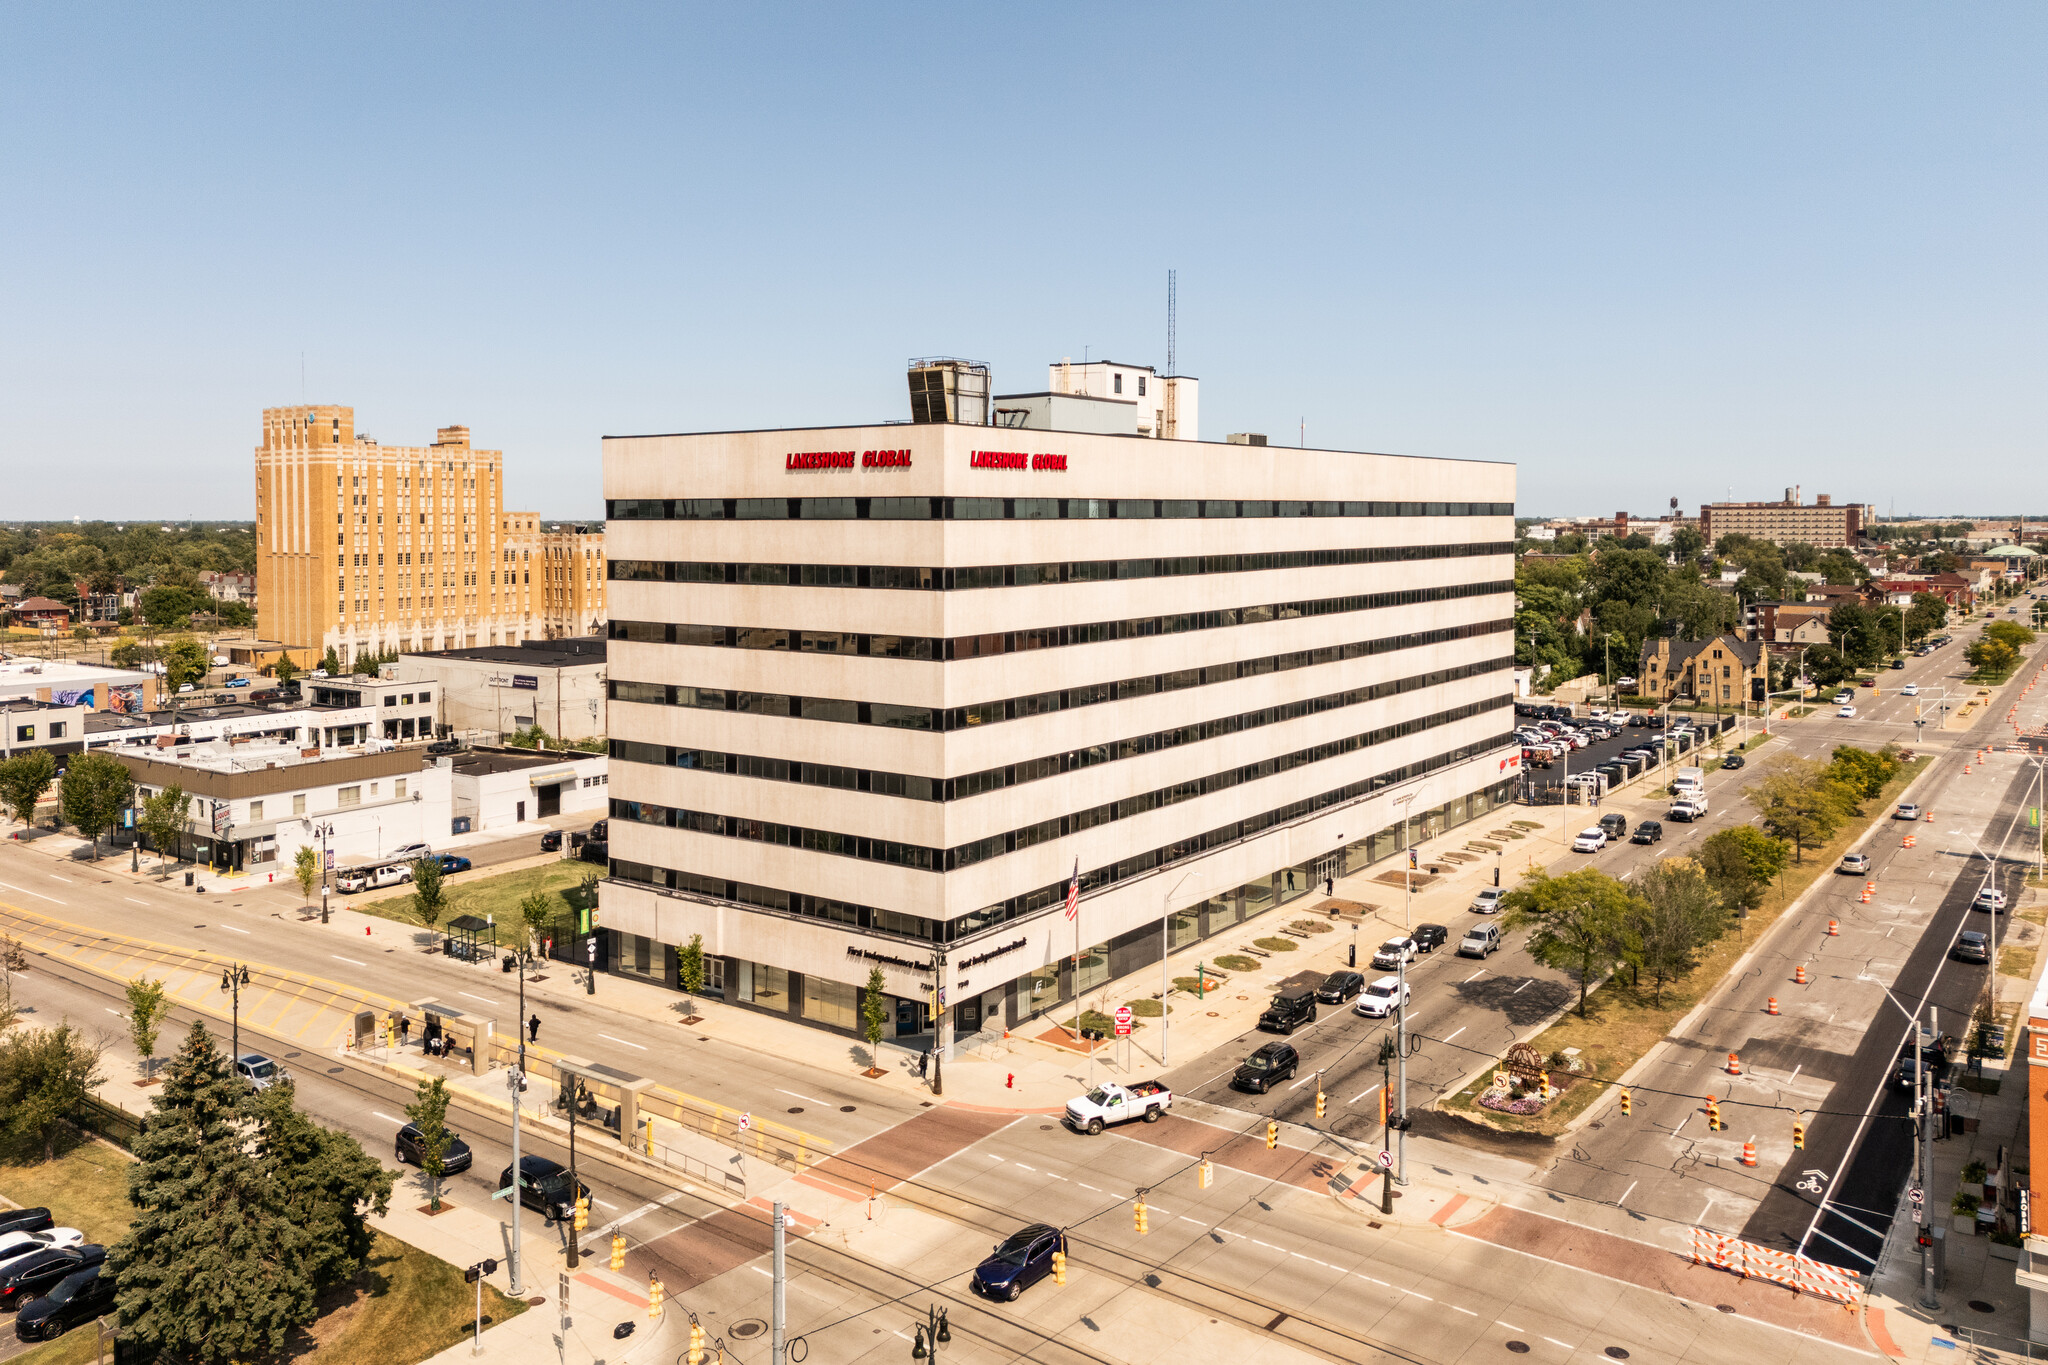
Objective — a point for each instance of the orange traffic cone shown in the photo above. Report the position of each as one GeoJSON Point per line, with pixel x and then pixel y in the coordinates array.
{"type": "Point", "coordinates": [1749, 1153]}
{"type": "Point", "coordinates": [1734, 1065]}
{"type": "Point", "coordinates": [1834, 929]}
{"type": "Point", "coordinates": [1771, 1006]}
{"type": "Point", "coordinates": [1966, 770]}
{"type": "Point", "coordinates": [1930, 817]}
{"type": "Point", "coordinates": [1799, 975]}
{"type": "Point", "coordinates": [1864, 898]}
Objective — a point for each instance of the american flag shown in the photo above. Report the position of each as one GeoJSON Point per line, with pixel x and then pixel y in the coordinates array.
{"type": "Point", "coordinates": [1074, 891]}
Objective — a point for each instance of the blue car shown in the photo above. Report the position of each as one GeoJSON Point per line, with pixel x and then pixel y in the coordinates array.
{"type": "Point", "coordinates": [1018, 1262]}
{"type": "Point", "coordinates": [451, 863]}
{"type": "Point", "coordinates": [238, 682]}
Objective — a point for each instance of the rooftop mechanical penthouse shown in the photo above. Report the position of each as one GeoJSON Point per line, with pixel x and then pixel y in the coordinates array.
{"type": "Point", "coordinates": [876, 690]}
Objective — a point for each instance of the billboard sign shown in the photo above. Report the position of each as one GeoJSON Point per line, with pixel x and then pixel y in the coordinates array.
{"type": "Point", "coordinates": [526, 682]}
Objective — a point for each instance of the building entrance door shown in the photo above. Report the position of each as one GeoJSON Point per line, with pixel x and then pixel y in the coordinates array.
{"type": "Point", "coordinates": [907, 1020]}
{"type": "Point", "coordinates": [550, 800]}
{"type": "Point", "coordinates": [1327, 870]}
{"type": "Point", "coordinates": [967, 1016]}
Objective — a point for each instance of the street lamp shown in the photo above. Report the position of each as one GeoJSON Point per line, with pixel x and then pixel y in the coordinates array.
{"type": "Point", "coordinates": [232, 979]}
{"type": "Point", "coordinates": [931, 1335]}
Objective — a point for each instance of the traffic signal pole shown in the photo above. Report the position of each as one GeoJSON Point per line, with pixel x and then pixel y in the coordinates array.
{"type": "Point", "coordinates": [1925, 1111]}
{"type": "Point", "coordinates": [778, 1350]}
{"type": "Point", "coordinates": [1401, 1053]}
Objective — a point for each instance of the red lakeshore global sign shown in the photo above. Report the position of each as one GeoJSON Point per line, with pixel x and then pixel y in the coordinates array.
{"type": "Point", "coordinates": [1015, 459]}
{"type": "Point", "coordinates": [843, 459]}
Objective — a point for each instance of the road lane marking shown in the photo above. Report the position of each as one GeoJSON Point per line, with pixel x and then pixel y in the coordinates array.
{"type": "Point", "coordinates": [1555, 1342]}
{"type": "Point", "coordinates": [1466, 1311]}
{"type": "Point", "coordinates": [1267, 1245]}
{"type": "Point", "coordinates": [485, 998]}
{"type": "Point", "coordinates": [55, 878]}
{"type": "Point", "coordinates": [1086, 1186]}
{"type": "Point", "coordinates": [808, 1100]}
{"type": "Point", "coordinates": [622, 1042]}
{"type": "Point", "coordinates": [132, 901]}
{"type": "Point", "coordinates": [1424, 1297]}
{"type": "Point", "coordinates": [1523, 987]}
{"type": "Point", "coordinates": [1682, 1122]}
{"type": "Point", "coordinates": [1448, 1037]}
{"type": "Point", "coordinates": [230, 926]}
{"type": "Point", "coordinates": [387, 1118]}
{"type": "Point", "coordinates": [1795, 1074]}
{"type": "Point", "coordinates": [37, 894]}
{"type": "Point", "coordinates": [116, 1013]}
{"type": "Point", "coordinates": [1621, 1202]}
{"type": "Point", "coordinates": [1475, 976]}
{"type": "Point", "coordinates": [351, 961]}
{"type": "Point", "coordinates": [1022, 1167]}
{"type": "Point", "coordinates": [1300, 1083]}
{"type": "Point", "coordinates": [606, 1202]}
{"type": "Point", "coordinates": [1196, 1221]}
{"type": "Point", "coordinates": [1509, 1325]}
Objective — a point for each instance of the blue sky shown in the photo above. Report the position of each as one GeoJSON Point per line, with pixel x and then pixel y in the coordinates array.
{"type": "Point", "coordinates": [1643, 251]}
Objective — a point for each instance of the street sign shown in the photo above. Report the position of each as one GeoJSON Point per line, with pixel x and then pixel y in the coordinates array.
{"type": "Point", "coordinates": [746, 1122]}
{"type": "Point", "coordinates": [1123, 1021]}
{"type": "Point", "coordinates": [1916, 1194]}
{"type": "Point", "coordinates": [1386, 1158]}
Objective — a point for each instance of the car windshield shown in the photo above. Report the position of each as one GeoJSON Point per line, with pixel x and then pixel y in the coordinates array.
{"type": "Point", "coordinates": [262, 1071]}
{"type": "Point", "coordinates": [1393, 945]}
{"type": "Point", "coordinates": [1017, 1250]}
{"type": "Point", "coordinates": [1098, 1096]}
{"type": "Point", "coordinates": [69, 1288]}
{"type": "Point", "coordinates": [1381, 991]}
{"type": "Point", "coordinates": [1258, 1061]}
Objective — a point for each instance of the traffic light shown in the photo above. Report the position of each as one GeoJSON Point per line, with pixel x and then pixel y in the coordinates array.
{"type": "Point", "coordinates": [1059, 1267]}
{"type": "Point", "coordinates": [618, 1251]}
{"type": "Point", "coordinates": [1205, 1176]}
{"type": "Point", "coordinates": [1272, 1135]}
{"type": "Point", "coordinates": [1319, 1103]}
{"type": "Point", "coordinates": [582, 1212]}
{"type": "Point", "coordinates": [1139, 1218]}
{"type": "Point", "coordinates": [1799, 1135]}
{"type": "Point", "coordinates": [1713, 1115]}
{"type": "Point", "coordinates": [696, 1355]}
{"type": "Point", "coordinates": [655, 1294]}
{"type": "Point", "coordinates": [1627, 1104]}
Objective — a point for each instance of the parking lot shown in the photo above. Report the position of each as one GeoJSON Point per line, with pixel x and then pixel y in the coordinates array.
{"type": "Point", "coordinates": [1546, 784]}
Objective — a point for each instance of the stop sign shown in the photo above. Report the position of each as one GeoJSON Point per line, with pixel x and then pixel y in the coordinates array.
{"type": "Point", "coordinates": [1123, 1020]}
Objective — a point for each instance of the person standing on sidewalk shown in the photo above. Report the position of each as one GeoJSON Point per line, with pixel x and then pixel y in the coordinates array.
{"type": "Point", "coordinates": [404, 1028]}
{"type": "Point", "coordinates": [533, 1029]}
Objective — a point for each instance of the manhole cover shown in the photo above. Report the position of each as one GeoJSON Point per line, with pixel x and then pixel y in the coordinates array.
{"type": "Point", "coordinates": [1725, 1307]}
{"type": "Point", "coordinates": [846, 1109]}
{"type": "Point", "coordinates": [1045, 1128]}
{"type": "Point", "coordinates": [1212, 1014]}
{"type": "Point", "coordinates": [537, 1301]}
{"type": "Point", "coordinates": [798, 1110]}
{"type": "Point", "coordinates": [1981, 1306]}
{"type": "Point", "coordinates": [748, 1330]}
{"type": "Point", "coordinates": [1520, 1348]}
{"type": "Point", "coordinates": [1616, 1353]}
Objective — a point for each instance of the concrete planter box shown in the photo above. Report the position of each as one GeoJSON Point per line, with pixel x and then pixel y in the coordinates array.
{"type": "Point", "coordinates": [2004, 1252]}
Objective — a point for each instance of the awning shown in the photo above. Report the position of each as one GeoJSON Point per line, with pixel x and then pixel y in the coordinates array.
{"type": "Point", "coordinates": [547, 777]}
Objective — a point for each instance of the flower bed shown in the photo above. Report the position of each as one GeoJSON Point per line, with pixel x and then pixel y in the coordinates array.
{"type": "Point", "coordinates": [1527, 1104]}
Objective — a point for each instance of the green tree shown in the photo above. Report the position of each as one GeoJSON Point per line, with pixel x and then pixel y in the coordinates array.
{"type": "Point", "coordinates": [429, 1113]}
{"type": "Point", "coordinates": [530, 737]}
{"type": "Point", "coordinates": [874, 1017]}
{"type": "Point", "coordinates": [1686, 544]}
{"type": "Point", "coordinates": [1672, 918]}
{"type": "Point", "coordinates": [1578, 921]}
{"type": "Point", "coordinates": [1826, 665]}
{"type": "Point", "coordinates": [166, 605]}
{"type": "Point", "coordinates": [1855, 632]}
{"type": "Point", "coordinates": [327, 1184]}
{"type": "Point", "coordinates": [537, 913]}
{"type": "Point", "coordinates": [1740, 863]}
{"type": "Point", "coordinates": [13, 958]}
{"type": "Point", "coordinates": [690, 971]}
{"type": "Point", "coordinates": [126, 654]}
{"type": "Point", "coordinates": [1799, 804]}
{"type": "Point", "coordinates": [330, 663]}
{"type": "Point", "coordinates": [216, 1267]}
{"type": "Point", "coordinates": [148, 1005]}
{"type": "Point", "coordinates": [24, 780]}
{"type": "Point", "coordinates": [97, 787]}
{"type": "Point", "coordinates": [185, 661]}
{"type": "Point", "coordinates": [164, 817]}
{"type": "Point", "coordinates": [284, 670]}
{"type": "Point", "coordinates": [45, 1075]}
{"type": "Point", "coordinates": [1991, 656]}
{"type": "Point", "coordinates": [2012, 632]}
{"type": "Point", "coordinates": [429, 902]}
{"type": "Point", "coordinates": [1862, 771]}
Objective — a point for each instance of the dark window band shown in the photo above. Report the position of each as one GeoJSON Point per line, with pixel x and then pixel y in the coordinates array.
{"type": "Point", "coordinates": [1020, 509]}
{"type": "Point", "coordinates": [960, 788]}
{"type": "Point", "coordinates": [1043, 637]}
{"type": "Point", "coordinates": [1017, 708]}
{"type": "Point", "coordinates": [948, 931]}
{"type": "Point", "coordinates": [1029, 575]}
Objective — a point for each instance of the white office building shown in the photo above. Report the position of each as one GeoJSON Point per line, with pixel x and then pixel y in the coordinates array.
{"type": "Point", "coordinates": [876, 690]}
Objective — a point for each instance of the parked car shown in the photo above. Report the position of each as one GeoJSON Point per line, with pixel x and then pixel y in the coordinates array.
{"type": "Point", "coordinates": [24, 1220]}
{"type": "Point", "coordinates": [36, 1274]}
{"type": "Point", "coordinates": [1971, 946]}
{"type": "Point", "coordinates": [1487, 902]}
{"type": "Point", "coordinates": [1290, 1009]}
{"type": "Point", "coordinates": [1989, 898]}
{"type": "Point", "coordinates": [1590, 840]}
{"type": "Point", "coordinates": [1393, 953]}
{"type": "Point", "coordinates": [1019, 1261]}
{"type": "Point", "coordinates": [411, 852]}
{"type": "Point", "coordinates": [455, 1155]}
{"type": "Point", "coordinates": [258, 1072]}
{"type": "Point", "coordinates": [1271, 1064]}
{"type": "Point", "coordinates": [1111, 1103]}
{"type": "Point", "coordinates": [1384, 996]}
{"type": "Point", "coordinates": [354, 879]}
{"type": "Point", "coordinates": [544, 1185]}
{"type": "Point", "coordinates": [1907, 811]}
{"type": "Point", "coordinates": [551, 841]}
{"type": "Point", "coordinates": [599, 830]}
{"type": "Point", "coordinates": [1338, 987]}
{"type": "Point", "coordinates": [1639, 720]}
{"type": "Point", "coordinates": [14, 1245]}
{"type": "Point", "coordinates": [1480, 940]}
{"type": "Point", "coordinates": [1429, 937]}
{"type": "Point", "coordinates": [451, 863]}
{"type": "Point", "coordinates": [78, 1297]}
{"type": "Point", "coordinates": [1648, 832]}
{"type": "Point", "coordinates": [445, 746]}
{"type": "Point", "coordinates": [1734, 761]}
{"type": "Point", "coordinates": [1854, 864]}
{"type": "Point", "coordinates": [1896, 663]}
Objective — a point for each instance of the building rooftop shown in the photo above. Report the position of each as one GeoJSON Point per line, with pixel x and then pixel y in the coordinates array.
{"type": "Point", "coordinates": [100, 722]}
{"type": "Point", "coordinates": [20, 671]}
{"type": "Point", "coordinates": [568, 653]}
{"type": "Point", "coordinates": [483, 762]}
{"type": "Point", "coordinates": [225, 756]}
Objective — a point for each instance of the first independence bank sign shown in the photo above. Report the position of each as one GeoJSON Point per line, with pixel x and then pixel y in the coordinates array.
{"type": "Point", "coordinates": [804, 461]}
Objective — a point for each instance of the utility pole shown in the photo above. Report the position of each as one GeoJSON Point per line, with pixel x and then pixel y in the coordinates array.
{"type": "Point", "coordinates": [1922, 1106]}
{"type": "Point", "coordinates": [1401, 1049]}
{"type": "Point", "coordinates": [515, 1082]}
{"type": "Point", "coordinates": [778, 1351]}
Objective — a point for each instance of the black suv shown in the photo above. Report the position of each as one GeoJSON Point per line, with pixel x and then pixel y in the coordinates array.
{"type": "Point", "coordinates": [1338, 987]}
{"type": "Point", "coordinates": [29, 1277]}
{"type": "Point", "coordinates": [1290, 1009]}
{"type": "Point", "coordinates": [1616, 825]}
{"type": "Point", "coordinates": [1429, 937]}
{"type": "Point", "coordinates": [1648, 832]}
{"type": "Point", "coordinates": [455, 1153]}
{"type": "Point", "coordinates": [544, 1185]}
{"type": "Point", "coordinates": [1271, 1064]}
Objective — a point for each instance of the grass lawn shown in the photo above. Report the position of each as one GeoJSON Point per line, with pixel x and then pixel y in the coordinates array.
{"type": "Point", "coordinates": [497, 895]}
{"type": "Point", "coordinates": [1623, 1023]}
{"type": "Point", "coordinates": [86, 1187]}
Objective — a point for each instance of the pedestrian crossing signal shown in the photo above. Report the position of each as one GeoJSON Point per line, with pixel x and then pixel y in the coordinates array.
{"type": "Point", "coordinates": [1627, 1104]}
{"type": "Point", "coordinates": [1798, 1135]}
{"type": "Point", "coordinates": [1272, 1135]}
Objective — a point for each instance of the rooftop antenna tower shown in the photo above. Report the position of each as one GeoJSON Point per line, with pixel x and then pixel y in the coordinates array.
{"type": "Point", "coordinates": [1169, 419]}
{"type": "Point", "coordinates": [1172, 301]}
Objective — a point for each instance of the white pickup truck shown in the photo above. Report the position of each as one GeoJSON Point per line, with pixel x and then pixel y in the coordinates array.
{"type": "Point", "coordinates": [1108, 1103]}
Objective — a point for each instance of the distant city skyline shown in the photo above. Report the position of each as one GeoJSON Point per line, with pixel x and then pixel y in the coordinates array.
{"type": "Point", "coordinates": [1640, 253]}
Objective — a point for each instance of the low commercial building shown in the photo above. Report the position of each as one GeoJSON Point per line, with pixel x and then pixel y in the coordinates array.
{"type": "Point", "coordinates": [302, 722]}
{"type": "Point", "coordinates": [1723, 671]}
{"type": "Point", "coordinates": [497, 789]}
{"type": "Point", "coordinates": [58, 727]}
{"type": "Point", "coordinates": [496, 691]}
{"type": "Point", "coordinates": [402, 713]}
{"type": "Point", "coordinates": [68, 681]}
{"type": "Point", "coordinates": [256, 803]}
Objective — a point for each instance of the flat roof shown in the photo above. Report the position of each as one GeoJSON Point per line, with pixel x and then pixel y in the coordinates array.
{"type": "Point", "coordinates": [563, 653]}
{"type": "Point", "coordinates": [101, 721]}
{"type": "Point", "coordinates": [479, 762]}
{"type": "Point", "coordinates": [24, 670]}
{"type": "Point", "coordinates": [221, 756]}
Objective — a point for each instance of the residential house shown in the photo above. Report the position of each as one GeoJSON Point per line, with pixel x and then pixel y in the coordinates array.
{"type": "Point", "coordinates": [1787, 623]}
{"type": "Point", "coordinates": [1722, 671]}
{"type": "Point", "coordinates": [42, 613]}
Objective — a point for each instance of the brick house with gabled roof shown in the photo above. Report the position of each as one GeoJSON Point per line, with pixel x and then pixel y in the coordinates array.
{"type": "Point", "coordinates": [1721, 671]}
{"type": "Point", "coordinates": [41, 612]}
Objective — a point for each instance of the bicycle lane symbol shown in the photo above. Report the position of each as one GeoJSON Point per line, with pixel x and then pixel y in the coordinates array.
{"type": "Point", "coordinates": [1813, 1182]}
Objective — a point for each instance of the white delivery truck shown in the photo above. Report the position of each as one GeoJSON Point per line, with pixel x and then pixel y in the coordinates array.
{"type": "Point", "coordinates": [1689, 782]}
{"type": "Point", "coordinates": [1108, 1103]}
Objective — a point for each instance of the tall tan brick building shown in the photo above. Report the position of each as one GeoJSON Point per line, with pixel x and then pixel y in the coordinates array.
{"type": "Point", "coordinates": [363, 547]}
{"type": "Point", "coordinates": [558, 571]}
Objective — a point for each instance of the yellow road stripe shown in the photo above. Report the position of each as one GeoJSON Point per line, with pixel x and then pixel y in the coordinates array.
{"type": "Point", "coordinates": [279, 1018]}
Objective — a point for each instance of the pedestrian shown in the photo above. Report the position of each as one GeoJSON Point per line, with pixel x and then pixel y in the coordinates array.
{"type": "Point", "coordinates": [404, 1029]}
{"type": "Point", "coordinates": [924, 1061]}
{"type": "Point", "coordinates": [533, 1029]}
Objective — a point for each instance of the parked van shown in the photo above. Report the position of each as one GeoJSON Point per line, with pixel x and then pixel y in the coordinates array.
{"type": "Point", "coordinates": [1480, 940]}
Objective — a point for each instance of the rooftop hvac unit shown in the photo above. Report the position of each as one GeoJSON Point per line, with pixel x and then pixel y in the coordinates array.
{"type": "Point", "coordinates": [947, 389]}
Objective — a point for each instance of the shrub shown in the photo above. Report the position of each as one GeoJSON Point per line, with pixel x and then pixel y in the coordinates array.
{"type": "Point", "coordinates": [1312, 926]}
{"type": "Point", "coordinates": [1233, 962]}
{"type": "Point", "coordinates": [1274, 945]}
